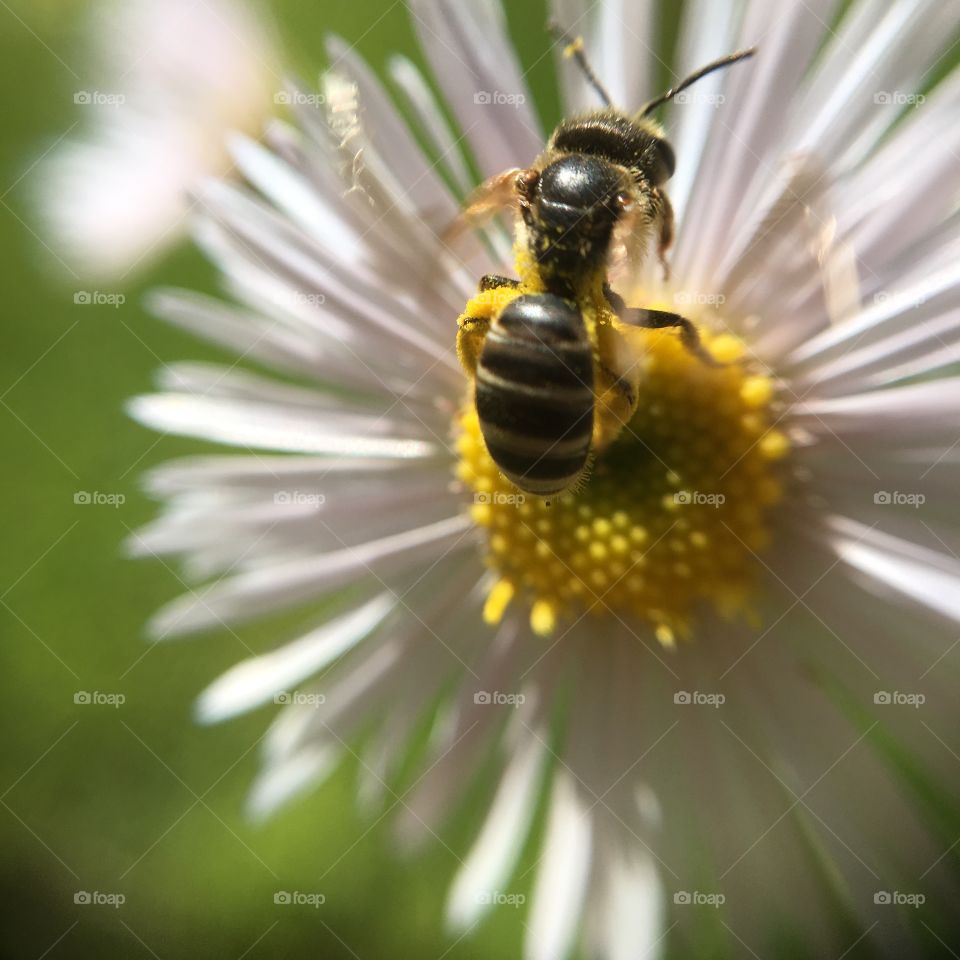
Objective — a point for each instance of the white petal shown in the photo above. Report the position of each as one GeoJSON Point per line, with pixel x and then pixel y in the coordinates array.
{"type": "Point", "coordinates": [277, 785]}
{"type": "Point", "coordinates": [253, 682]}
{"type": "Point", "coordinates": [929, 578]}
{"type": "Point", "coordinates": [259, 427]}
{"type": "Point", "coordinates": [282, 584]}
{"type": "Point", "coordinates": [631, 918]}
{"type": "Point", "coordinates": [427, 109]}
{"type": "Point", "coordinates": [926, 297]}
{"type": "Point", "coordinates": [916, 414]}
{"type": "Point", "coordinates": [497, 849]}
{"type": "Point", "coordinates": [502, 134]}
{"type": "Point", "coordinates": [562, 875]}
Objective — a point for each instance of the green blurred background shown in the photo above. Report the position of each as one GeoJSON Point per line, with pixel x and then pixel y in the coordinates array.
{"type": "Point", "coordinates": [138, 800]}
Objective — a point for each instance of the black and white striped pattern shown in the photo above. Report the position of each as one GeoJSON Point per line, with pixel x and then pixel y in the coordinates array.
{"type": "Point", "coordinates": [534, 393]}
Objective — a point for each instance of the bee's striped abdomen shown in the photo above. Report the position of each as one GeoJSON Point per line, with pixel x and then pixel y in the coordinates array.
{"type": "Point", "coordinates": [534, 393]}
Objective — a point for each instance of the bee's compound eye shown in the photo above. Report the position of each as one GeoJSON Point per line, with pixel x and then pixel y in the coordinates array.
{"type": "Point", "coordinates": [666, 160]}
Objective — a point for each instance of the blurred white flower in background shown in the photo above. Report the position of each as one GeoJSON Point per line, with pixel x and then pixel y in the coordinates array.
{"type": "Point", "coordinates": [168, 80]}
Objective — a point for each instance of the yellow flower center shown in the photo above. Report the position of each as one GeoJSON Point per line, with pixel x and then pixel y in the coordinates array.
{"type": "Point", "coordinates": [672, 516]}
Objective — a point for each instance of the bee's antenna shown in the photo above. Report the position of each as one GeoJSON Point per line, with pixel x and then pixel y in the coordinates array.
{"type": "Point", "coordinates": [732, 58]}
{"type": "Point", "coordinates": [573, 47]}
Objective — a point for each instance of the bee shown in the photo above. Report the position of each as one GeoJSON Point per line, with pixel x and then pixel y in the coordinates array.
{"type": "Point", "coordinates": [555, 381]}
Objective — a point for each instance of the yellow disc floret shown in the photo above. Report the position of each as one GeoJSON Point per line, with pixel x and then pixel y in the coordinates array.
{"type": "Point", "coordinates": [672, 516]}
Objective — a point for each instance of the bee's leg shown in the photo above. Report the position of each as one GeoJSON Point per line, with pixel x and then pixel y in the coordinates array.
{"type": "Point", "coordinates": [471, 332]}
{"type": "Point", "coordinates": [493, 281]}
{"type": "Point", "coordinates": [665, 240]}
{"type": "Point", "coordinates": [615, 301]}
{"type": "Point", "coordinates": [661, 319]}
{"type": "Point", "coordinates": [616, 387]}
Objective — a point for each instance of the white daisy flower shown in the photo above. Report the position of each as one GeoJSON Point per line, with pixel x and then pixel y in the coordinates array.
{"type": "Point", "coordinates": [173, 78]}
{"type": "Point", "coordinates": [727, 664]}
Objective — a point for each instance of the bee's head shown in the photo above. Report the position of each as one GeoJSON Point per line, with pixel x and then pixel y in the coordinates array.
{"type": "Point", "coordinates": [570, 209]}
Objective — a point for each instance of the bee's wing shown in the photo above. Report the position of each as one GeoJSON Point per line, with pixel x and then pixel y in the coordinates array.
{"type": "Point", "coordinates": [838, 267]}
{"type": "Point", "coordinates": [493, 196]}
{"type": "Point", "coordinates": [632, 236]}
{"type": "Point", "coordinates": [803, 209]}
